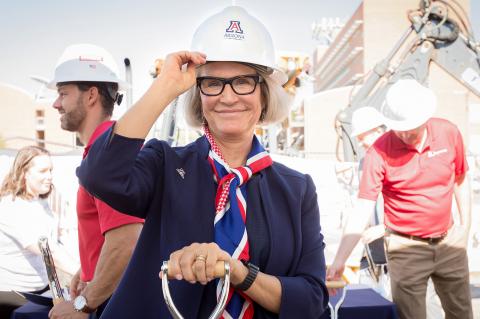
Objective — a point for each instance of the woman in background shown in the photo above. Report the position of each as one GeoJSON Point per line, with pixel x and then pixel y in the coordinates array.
{"type": "Point", "coordinates": [25, 217]}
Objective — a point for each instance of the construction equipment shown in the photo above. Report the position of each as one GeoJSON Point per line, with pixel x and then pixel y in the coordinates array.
{"type": "Point", "coordinates": [444, 35]}
{"type": "Point", "coordinates": [166, 129]}
{"type": "Point", "coordinates": [128, 78]}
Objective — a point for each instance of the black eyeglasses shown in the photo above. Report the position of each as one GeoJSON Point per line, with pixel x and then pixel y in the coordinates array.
{"type": "Point", "coordinates": [241, 85]}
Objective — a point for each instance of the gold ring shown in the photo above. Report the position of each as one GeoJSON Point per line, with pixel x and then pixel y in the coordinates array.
{"type": "Point", "coordinates": [201, 258]}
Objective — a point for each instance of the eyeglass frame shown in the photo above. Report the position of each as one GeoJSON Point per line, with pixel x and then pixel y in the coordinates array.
{"type": "Point", "coordinates": [256, 77]}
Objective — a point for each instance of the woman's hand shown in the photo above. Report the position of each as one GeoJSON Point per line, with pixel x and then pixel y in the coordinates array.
{"type": "Point", "coordinates": [172, 81]}
{"type": "Point", "coordinates": [196, 263]}
{"type": "Point", "coordinates": [173, 74]}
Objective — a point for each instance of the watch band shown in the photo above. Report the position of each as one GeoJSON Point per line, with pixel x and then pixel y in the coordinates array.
{"type": "Point", "coordinates": [252, 275]}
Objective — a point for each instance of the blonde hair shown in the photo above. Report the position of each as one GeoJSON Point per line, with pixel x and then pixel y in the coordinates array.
{"type": "Point", "coordinates": [275, 101]}
{"type": "Point", "coordinates": [14, 183]}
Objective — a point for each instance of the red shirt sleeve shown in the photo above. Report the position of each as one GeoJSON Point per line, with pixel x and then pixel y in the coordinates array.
{"type": "Point", "coordinates": [110, 218]}
{"type": "Point", "coordinates": [371, 181]}
{"type": "Point", "coordinates": [461, 165]}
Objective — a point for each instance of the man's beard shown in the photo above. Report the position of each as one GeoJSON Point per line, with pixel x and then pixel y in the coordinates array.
{"type": "Point", "coordinates": [72, 120]}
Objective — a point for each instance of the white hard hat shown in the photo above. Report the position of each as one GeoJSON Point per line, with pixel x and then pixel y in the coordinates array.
{"type": "Point", "coordinates": [86, 63]}
{"type": "Point", "coordinates": [408, 105]}
{"type": "Point", "coordinates": [234, 35]}
{"type": "Point", "coordinates": [365, 119]}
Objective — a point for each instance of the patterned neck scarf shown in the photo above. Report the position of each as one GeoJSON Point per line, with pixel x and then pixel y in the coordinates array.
{"type": "Point", "coordinates": [231, 213]}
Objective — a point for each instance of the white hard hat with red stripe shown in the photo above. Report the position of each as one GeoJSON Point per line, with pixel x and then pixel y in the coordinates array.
{"type": "Point", "coordinates": [234, 35]}
{"type": "Point", "coordinates": [86, 63]}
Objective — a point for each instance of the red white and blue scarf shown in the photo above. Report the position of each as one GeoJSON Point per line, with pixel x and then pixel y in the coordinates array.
{"type": "Point", "coordinates": [231, 213]}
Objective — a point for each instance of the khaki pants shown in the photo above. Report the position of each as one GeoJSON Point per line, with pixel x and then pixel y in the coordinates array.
{"type": "Point", "coordinates": [412, 262]}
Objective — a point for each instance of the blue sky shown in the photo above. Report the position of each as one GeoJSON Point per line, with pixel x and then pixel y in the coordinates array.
{"type": "Point", "coordinates": [34, 33]}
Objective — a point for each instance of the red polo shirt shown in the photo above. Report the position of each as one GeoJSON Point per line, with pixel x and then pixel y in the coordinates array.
{"type": "Point", "coordinates": [417, 186]}
{"type": "Point", "coordinates": [95, 218]}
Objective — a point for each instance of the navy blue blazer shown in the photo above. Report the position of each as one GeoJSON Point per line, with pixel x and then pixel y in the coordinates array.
{"type": "Point", "coordinates": [179, 210]}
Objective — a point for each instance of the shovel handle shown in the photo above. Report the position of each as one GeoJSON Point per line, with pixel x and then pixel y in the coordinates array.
{"type": "Point", "coordinates": [219, 271]}
{"type": "Point", "coordinates": [223, 295]}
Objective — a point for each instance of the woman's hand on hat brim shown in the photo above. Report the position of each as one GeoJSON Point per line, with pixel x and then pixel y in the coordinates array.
{"type": "Point", "coordinates": [178, 71]}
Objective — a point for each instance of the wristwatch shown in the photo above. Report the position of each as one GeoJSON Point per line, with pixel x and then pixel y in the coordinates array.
{"type": "Point", "coordinates": [80, 305]}
{"type": "Point", "coordinates": [252, 275]}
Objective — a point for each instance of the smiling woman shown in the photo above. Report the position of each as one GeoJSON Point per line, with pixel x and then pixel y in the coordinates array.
{"type": "Point", "coordinates": [25, 217]}
{"type": "Point", "coordinates": [30, 176]}
{"type": "Point", "coordinates": [220, 198]}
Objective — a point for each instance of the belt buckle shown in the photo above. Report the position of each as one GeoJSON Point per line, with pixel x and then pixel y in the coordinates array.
{"type": "Point", "coordinates": [435, 240]}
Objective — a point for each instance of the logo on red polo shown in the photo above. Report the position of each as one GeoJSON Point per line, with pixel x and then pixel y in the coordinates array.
{"type": "Point", "coordinates": [435, 153]}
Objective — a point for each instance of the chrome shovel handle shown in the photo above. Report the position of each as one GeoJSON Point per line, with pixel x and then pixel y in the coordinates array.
{"type": "Point", "coordinates": [216, 313]}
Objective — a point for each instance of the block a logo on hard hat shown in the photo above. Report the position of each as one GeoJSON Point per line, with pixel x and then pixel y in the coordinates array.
{"type": "Point", "coordinates": [234, 31]}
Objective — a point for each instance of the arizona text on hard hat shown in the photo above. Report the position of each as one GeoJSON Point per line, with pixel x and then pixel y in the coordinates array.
{"type": "Point", "coordinates": [86, 63]}
{"type": "Point", "coordinates": [408, 105]}
{"type": "Point", "coordinates": [365, 119]}
{"type": "Point", "coordinates": [234, 35]}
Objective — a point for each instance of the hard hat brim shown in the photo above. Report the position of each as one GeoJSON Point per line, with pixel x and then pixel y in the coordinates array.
{"type": "Point", "coordinates": [123, 86]}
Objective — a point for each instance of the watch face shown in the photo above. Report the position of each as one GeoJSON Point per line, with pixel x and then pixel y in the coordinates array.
{"type": "Point", "coordinates": [79, 303]}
